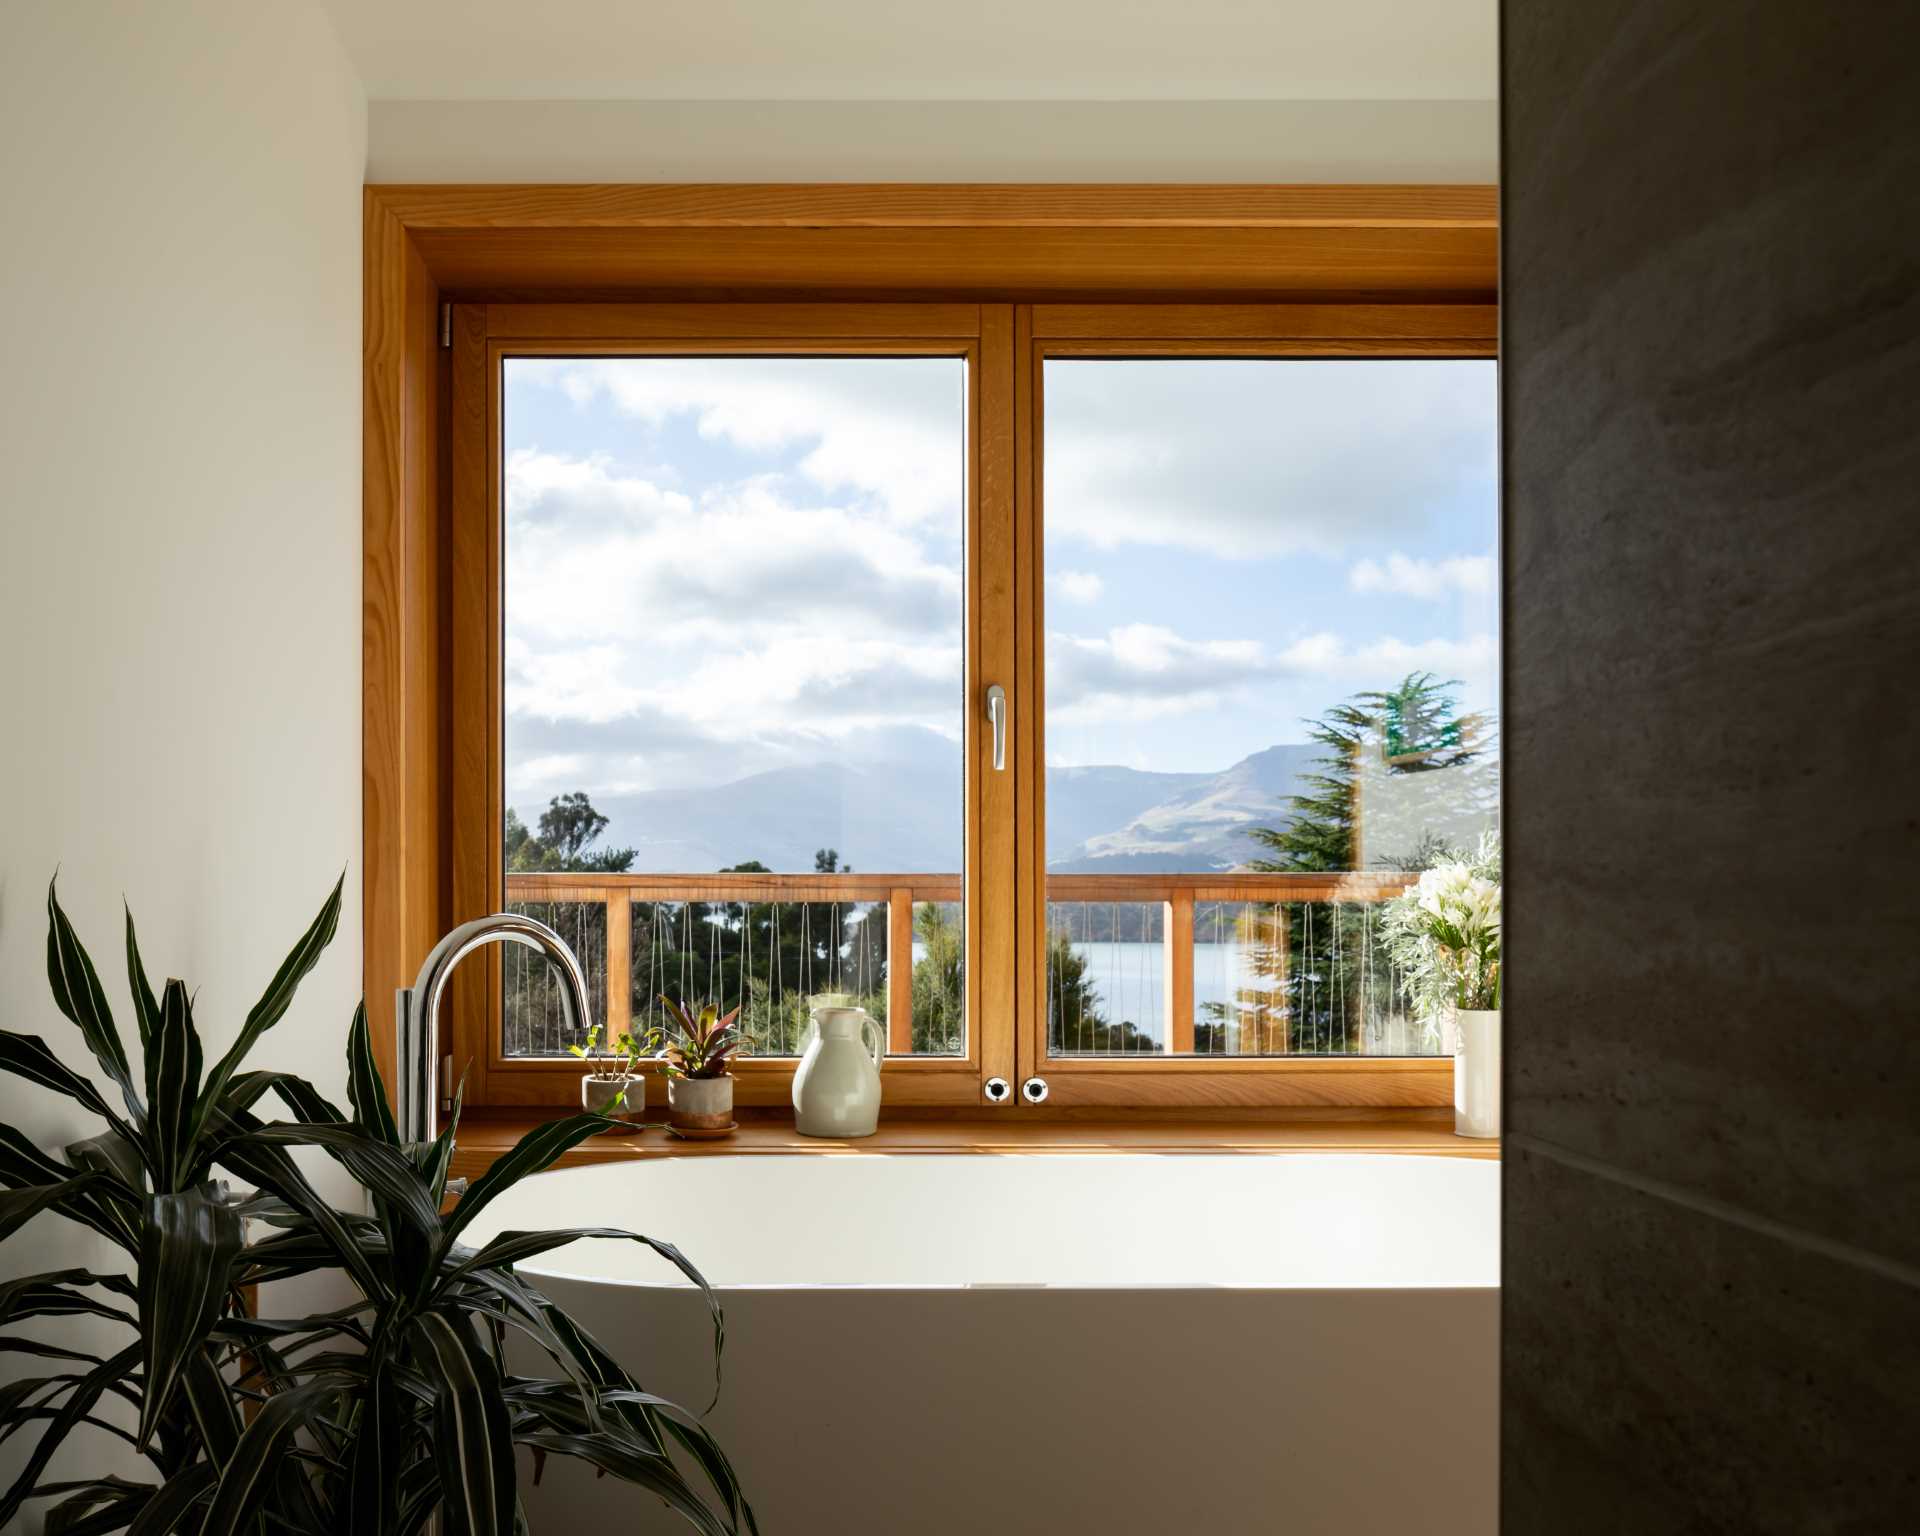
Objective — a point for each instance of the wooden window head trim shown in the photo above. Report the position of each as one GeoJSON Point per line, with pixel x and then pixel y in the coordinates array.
{"type": "Point", "coordinates": [1418, 263]}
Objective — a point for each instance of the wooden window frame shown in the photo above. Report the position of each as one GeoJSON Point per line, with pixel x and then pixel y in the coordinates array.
{"type": "Point", "coordinates": [1047, 271]}
{"type": "Point", "coordinates": [483, 337]}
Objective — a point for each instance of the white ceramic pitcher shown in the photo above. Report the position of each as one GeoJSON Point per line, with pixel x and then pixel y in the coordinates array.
{"type": "Point", "coordinates": [836, 1092]}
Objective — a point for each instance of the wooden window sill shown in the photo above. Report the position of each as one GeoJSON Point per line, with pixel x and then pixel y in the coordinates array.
{"type": "Point", "coordinates": [1420, 1133]}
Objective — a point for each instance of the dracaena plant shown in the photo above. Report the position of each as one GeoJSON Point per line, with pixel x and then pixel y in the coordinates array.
{"type": "Point", "coordinates": [373, 1417]}
{"type": "Point", "coordinates": [699, 1044]}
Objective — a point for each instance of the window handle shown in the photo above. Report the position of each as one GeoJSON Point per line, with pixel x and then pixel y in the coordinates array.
{"type": "Point", "coordinates": [997, 714]}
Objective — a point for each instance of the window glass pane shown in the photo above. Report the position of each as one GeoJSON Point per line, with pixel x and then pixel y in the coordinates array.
{"type": "Point", "coordinates": [734, 687]}
{"type": "Point", "coordinates": [1271, 642]}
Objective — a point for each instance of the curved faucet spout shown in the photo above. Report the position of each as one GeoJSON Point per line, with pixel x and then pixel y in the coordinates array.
{"type": "Point", "coordinates": [417, 1008]}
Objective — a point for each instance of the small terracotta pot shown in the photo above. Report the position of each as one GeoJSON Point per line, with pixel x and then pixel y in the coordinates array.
{"type": "Point", "coordinates": [598, 1090]}
{"type": "Point", "coordinates": [700, 1103]}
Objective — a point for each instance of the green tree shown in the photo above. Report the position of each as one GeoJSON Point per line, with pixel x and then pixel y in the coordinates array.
{"type": "Point", "coordinates": [1332, 948]}
{"type": "Point", "coordinates": [1076, 1020]}
{"type": "Point", "coordinates": [1417, 726]}
{"type": "Point", "coordinates": [940, 980]}
{"type": "Point", "coordinates": [569, 827]}
{"type": "Point", "coordinates": [768, 957]}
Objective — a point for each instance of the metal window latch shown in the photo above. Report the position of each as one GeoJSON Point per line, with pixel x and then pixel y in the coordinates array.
{"type": "Point", "coordinates": [997, 715]}
{"type": "Point", "coordinates": [998, 1091]}
{"type": "Point", "coordinates": [1034, 1090]}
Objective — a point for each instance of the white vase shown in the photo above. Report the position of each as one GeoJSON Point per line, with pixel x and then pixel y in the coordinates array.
{"type": "Point", "coordinates": [600, 1090]}
{"type": "Point", "coordinates": [836, 1092]}
{"type": "Point", "coordinates": [1476, 1072]}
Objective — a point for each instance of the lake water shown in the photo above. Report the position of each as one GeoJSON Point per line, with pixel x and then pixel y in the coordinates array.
{"type": "Point", "coordinates": [1131, 981]}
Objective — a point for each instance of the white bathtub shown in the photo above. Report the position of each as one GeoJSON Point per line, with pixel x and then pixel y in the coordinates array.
{"type": "Point", "coordinates": [1053, 1343]}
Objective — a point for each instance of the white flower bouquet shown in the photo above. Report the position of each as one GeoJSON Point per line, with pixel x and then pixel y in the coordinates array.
{"type": "Point", "coordinates": [1444, 936]}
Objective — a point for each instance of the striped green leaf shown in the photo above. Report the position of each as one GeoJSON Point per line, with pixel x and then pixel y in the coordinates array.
{"type": "Point", "coordinates": [693, 1437]}
{"type": "Point", "coordinates": [62, 1293]}
{"type": "Point", "coordinates": [255, 1466]}
{"type": "Point", "coordinates": [77, 993]}
{"type": "Point", "coordinates": [273, 1003]}
{"type": "Point", "coordinates": [379, 1444]}
{"type": "Point", "coordinates": [77, 1409]}
{"type": "Point", "coordinates": [105, 1207]}
{"type": "Point", "coordinates": [210, 1405]}
{"type": "Point", "coordinates": [627, 1461]}
{"type": "Point", "coordinates": [146, 1010]}
{"type": "Point", "coordinates": [379, 1168]}
{"type": "Point", "coordinates": [512, 1247]}
{"type": "Point", "coordinates": [106, 1506]}
{"type": "Point", "coordinates": [308, 1104]}
{"type": "Point", "coordinates": [20, 1206]}
{"type": "Point", "coordinates": [177, 1503]}
{"type": "Point", "coordinates": [116, 1155]}
{"type": "Point", "coordinates": [44, 1351]}
{"type": "Point", "coordinates": [30, 1057]}
{"type": "Point", "coordinates": [94, 1507]}
{"type": "Point", "coordinates": [540, 1148]}
{"type": "Point", "coordinates": [473, 1440]}
{"type": "Point", "coordinates": [174, 1065]}
{"type": "Point", "coordinates": [274, 1173]}
{"type": "Point", "coordinates": [365, 1091]}
{"type": "Point", "coordinates": [187, 1251]}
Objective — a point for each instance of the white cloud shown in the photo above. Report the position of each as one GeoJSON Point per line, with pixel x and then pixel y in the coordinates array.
{"type": "Point", "coordinates": [595, 556]}
{"type": "Point", "coordinates": [890, 428]}
{"type": "Point", "coordinates": [1251, 458]}
{"type": "Point", "coordinates": [1078, 586]}
{"type": "Point", "coordinates": [1136, 670]}
{"type": "Point", "coordinates": [1404, 576]}
{"type": "Point", "coordinates": [1141, 671]}
{"type": "Point", "coordinates": [655, 638]}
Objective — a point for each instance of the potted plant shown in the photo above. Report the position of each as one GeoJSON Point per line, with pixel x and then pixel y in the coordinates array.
{"type": "Point", "coordinates": [617, 1086]}
{"type": "Point", "coordinates": [1444, 935]}
{"type": "Point", "coordinates": [699, 1048]}
{"type": "Point", "coordinates": [384, 1416]}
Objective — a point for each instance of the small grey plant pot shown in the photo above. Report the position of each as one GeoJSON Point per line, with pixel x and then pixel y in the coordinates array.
{"type": "Point", "coordinates": [700, 1103]}
{"type": "Point", "coordinates": [600, 1090]}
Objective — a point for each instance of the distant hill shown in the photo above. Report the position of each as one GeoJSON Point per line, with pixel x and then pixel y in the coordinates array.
{"type": "Point", "coordinates": [1201, 825]}
{"type": "Point", "coordinates": [903, 815]}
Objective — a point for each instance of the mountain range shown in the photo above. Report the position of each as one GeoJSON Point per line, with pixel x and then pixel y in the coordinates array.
{"type": "Point", "coordinates": [903, 814]}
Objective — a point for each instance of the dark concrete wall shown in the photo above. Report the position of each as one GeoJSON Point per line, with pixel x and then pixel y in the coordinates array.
{"type": "Point", "coordinates": [1712, 586]}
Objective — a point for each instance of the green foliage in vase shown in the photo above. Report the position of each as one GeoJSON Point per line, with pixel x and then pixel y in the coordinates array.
{"type": "Point", "coordinates": [1444, 935]}
{"type": "Point", "coordinates": [401, 1404]}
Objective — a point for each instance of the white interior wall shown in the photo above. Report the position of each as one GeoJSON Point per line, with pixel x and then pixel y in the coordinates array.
{"type": "Point", "coordinates": [180, 521]}
{"type": "Point", "coordinates": [934, 141]}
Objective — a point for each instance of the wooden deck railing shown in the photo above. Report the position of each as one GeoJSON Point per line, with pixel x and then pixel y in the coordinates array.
{"type": "Point", "coordinates": [1178, 896]}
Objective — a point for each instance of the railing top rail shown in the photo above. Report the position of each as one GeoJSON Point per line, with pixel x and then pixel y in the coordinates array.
{"type": "Point", "coordinates": [1224, 885]}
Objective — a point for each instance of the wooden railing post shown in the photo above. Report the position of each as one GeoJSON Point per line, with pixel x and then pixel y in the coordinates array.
{"type": "Point", "coordinates": [1179, 973]}
{"type": "Point", "coordinates": [899, 970]}
{"type": "Point", "coordinates": [619, 963]}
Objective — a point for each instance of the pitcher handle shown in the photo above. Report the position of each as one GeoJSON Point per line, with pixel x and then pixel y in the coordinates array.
{"type": "Point", "coordinates": [878, 1049]}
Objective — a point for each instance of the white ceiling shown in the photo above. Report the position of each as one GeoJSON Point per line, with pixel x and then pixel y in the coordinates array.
{"type": "Point", "coordinates": [875, 50]}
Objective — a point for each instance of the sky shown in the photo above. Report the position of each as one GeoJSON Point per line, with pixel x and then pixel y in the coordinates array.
{"type": "Point", "coordinates": [716, 567]}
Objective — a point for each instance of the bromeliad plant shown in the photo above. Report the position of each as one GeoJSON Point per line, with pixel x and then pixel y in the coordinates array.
{"type": "Point", "coordinates": [1444, 935]}
{"type": "Point", "coordinates": [699, 1045]}
{"type": "Point", "coordinates": [369, 1418]}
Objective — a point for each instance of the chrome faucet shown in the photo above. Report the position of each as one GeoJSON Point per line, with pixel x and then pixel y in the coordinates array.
{"type": "Point", "coordinates": [417, 1008]}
